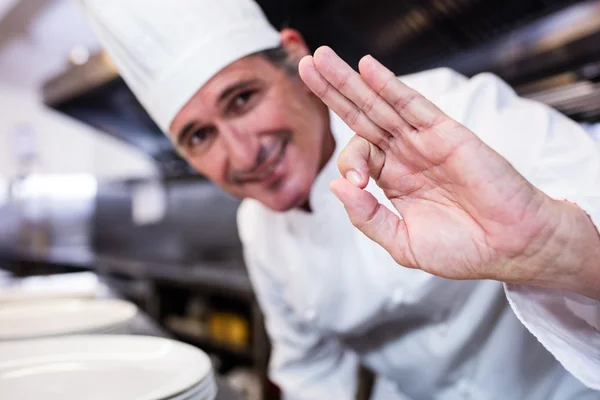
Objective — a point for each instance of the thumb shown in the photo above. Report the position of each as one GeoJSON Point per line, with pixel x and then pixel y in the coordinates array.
{"type": "Point", "coordinates": [374, 219]}
{"type": "Point", "coordinates": [360, 160]}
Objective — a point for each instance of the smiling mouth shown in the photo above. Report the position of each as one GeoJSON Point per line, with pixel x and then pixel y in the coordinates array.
{"type": "Point", "coordinates": [266, 169]}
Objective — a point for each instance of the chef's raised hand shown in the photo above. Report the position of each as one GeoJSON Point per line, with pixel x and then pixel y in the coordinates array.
{"type": "Point", "coordinates": [466, 212]}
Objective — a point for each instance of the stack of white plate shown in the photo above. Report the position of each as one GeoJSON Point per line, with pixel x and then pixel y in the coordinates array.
{"type": "Point", "coordinates": [57, 317]}
{"type": "Point", "coordinates": [79, 285]}
{"type": "Point", "coordinates": [116, 367]}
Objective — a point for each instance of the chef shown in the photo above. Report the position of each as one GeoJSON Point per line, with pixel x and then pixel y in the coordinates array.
{"type": "Point", "coordinates": [481, 306]}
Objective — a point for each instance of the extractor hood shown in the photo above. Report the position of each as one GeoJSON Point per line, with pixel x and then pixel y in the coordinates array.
{"type": "Point", "coordinates": [94, 93]}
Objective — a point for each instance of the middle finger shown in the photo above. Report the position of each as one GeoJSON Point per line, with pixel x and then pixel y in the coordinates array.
{"type": "Point", "coordinates": [339, 104]}
{"type": "Point", "coordinates": [348, 82]}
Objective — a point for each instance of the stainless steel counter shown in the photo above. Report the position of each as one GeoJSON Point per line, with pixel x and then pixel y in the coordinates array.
{"type": "Point", "coordinates": [230, 275]}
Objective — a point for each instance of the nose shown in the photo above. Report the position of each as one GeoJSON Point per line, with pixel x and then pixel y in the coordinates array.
{"type": "Point", "coordinates": [241, 146]}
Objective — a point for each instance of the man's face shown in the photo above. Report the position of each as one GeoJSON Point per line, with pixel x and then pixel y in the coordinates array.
{"type": "Point", "coordinates": [257, 132]}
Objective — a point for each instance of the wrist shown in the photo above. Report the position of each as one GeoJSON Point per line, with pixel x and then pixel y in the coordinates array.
{"type": "Point", "coordinates": [570, 259]}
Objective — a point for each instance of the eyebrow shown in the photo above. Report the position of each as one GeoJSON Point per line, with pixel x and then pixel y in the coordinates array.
{"type": "Point", "coordinates": [234, 88]}
{"type": "Point", "coordinates": [184, 131]}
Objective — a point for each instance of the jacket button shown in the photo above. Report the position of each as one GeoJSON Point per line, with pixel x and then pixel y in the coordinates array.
{"type": "Point", "coordinates": [310, 315]}
{"type": "Point", "coordinates": [398, 296]}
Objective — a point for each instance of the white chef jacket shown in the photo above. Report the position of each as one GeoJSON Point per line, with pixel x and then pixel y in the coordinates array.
{"type": "Point", "coordinates": [332, 298]}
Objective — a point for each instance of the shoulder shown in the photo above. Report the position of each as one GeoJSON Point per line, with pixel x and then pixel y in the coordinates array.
{"type": "Point", "coordinates": [440, 83]}
{"type": "Point", "coordinates": [461, 97]}
{"type": "Point", "coordinates": [523, 131]}
{"type": "Point", "coordinates": [434, 82]}
{"type": "Point", "coordinates": [474, 101]}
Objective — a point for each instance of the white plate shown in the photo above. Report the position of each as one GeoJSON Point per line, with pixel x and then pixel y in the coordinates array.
{"type": "Point", "coordinates": [100, 367]}
{"type": "Point", "coordinates": [62, 317]}
{"type": "Point", "coordinates": [205, 390]}
{"type": "Point", "coordinates": [36, 288]}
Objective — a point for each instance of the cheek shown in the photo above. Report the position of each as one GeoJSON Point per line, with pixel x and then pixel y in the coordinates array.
{"type": "Point", "coordinates": [268, 116]}
{"type": "Point", "coordinates": [302, 163]}
{"type": "Point", "coordinates": [304, 123]}
{"type": "Point", "coordinates": [211, 165]}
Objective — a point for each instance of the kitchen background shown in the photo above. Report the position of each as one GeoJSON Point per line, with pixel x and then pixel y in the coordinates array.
{"type": "Point", "coordinates": [88, 182]}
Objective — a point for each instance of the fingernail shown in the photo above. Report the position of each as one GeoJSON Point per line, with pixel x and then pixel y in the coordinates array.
{"type": "Point", "coordinates": [374, 61]}
{"type": "Point", "coordinates": [354, 177]}
{"type": "Point", "coordinates": [333, 190]}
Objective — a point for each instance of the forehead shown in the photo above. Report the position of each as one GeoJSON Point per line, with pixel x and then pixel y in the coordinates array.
{"type": "Point", "coordinates": [254, 67]}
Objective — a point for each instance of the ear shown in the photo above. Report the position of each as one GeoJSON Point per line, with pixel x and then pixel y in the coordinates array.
{"type": "Point", "coordinates": [294, 43]}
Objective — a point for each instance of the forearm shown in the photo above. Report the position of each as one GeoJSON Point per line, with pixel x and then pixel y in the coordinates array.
{"type": "Point", "coordinates": [572, 253]}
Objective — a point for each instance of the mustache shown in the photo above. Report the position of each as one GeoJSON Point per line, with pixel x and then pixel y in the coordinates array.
{"type": "Point", "coordinates": [266, 154]}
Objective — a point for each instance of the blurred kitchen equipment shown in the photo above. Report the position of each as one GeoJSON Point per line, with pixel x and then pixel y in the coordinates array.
{"type": "Point", "coordinates": [520, 40]}
{"type": "Point", "coordinates": [198, 223]}
{"type": "Point", "coordinates": [245, 382]}
{"type": "Point", "coordinates": [229, 328]}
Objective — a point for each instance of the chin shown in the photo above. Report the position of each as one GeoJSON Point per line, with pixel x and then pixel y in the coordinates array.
{"type": "Point", "coordinates": [287, 203]}
{"type": "Point", "coordinates": [293, 196]}
{"type": "Point", "coordinates": [294, 192]}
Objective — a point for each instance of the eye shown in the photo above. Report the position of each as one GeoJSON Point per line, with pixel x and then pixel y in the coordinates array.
{"type": "Point", "coordinates": [240, 101]}
{"type": "Point", "coordinates": [199, 138]}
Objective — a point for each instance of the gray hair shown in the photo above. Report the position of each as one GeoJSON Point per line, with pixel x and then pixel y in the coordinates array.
{"type": "Point", "coordinates": [279, 57]}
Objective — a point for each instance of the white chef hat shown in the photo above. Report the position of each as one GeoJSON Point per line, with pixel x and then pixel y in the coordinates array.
{"type": "Point", "coordinates": [166, 50]}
